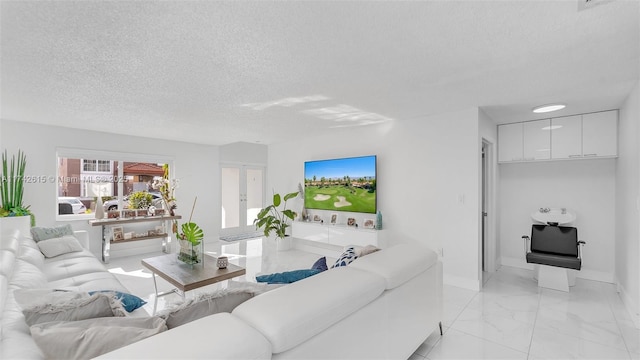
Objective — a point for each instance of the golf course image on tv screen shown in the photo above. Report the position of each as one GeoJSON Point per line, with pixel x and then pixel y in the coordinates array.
{"type": "Point", "coordinates": [347, 184]}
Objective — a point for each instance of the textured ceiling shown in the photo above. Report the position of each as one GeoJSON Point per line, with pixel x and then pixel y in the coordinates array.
{"type": "Point", "coordinates": [221, 72]}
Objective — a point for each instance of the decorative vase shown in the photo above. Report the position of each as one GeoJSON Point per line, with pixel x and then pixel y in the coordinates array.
{"type": "Point", "coordinates": [189, 253]}
{"type": "Point", "coordinates": [222, 262]}
{"type": "Point", "coordinates": [99, 208]}
{"type": "Point", "coordinates": [378, 220]}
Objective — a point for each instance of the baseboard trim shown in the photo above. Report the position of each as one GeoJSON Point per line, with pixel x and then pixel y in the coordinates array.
{"type": "Point", "coordinates": [515, 262]}
{"type": "Point", "coordinates": [634, 313]}
{"type": "Point", "coordinates": [582, 274]}
{"type": "Point", "coordinates": [461, 282]}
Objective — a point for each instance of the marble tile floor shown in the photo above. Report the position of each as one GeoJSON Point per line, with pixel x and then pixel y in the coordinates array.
{"type": "Point", "coordinates": [511, 318]}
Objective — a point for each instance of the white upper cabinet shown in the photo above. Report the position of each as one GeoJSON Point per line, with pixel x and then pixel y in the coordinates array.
{"type": "Point", "coordinates": [600, 134]}
{"type": "Point", "coordinates": [537, 140]}
{"type": "Point", "coordinates": [510, 139]}
{"type": "Point", "coordinates": [569, 137]}
{"type": "Point", "coordinates": [566, 137]}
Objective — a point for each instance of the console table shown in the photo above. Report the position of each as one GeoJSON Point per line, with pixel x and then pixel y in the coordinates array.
{"type": "Point", "coordinates": [339, 235]}
{"type": "Point", "coordinates": [107, 223]}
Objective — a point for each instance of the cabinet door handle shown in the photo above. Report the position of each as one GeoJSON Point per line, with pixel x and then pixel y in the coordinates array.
{"type": "Point", "coordinates": [590, 154]}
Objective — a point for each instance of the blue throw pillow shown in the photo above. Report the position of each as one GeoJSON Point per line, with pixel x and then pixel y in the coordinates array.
{"type": "Point", "coordinates": [287, 277]}
{"type": "Point", "coordinates": [320, 264]}
{"type": "Point", "coordinates": [346, 258]}
{"type": "Point", "coordinates": [129, 302]}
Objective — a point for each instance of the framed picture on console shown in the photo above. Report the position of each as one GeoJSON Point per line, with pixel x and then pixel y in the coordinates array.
{"type": "Point", "coordinates": [351, 221]}
{"type": "Point", "coordinates": [317, 218]}
{"type": "Point", "coordinates": [334, 219]}
{"type": "Point", "coordinates": [368, 224]}
{"type": "Point", "coordinates": [118, 233]}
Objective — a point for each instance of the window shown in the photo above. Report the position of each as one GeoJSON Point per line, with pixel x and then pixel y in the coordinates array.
{"type": "Point", "coordinates": [104, 165]}
{"type": "Point", "coordinates": [81, 179]}
{"type": "Point", "coordinates": [96, 165]}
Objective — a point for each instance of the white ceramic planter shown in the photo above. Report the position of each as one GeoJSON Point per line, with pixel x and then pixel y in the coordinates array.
{"type": "Point", "coordinates": [283, 244]}
{"type": "Point", "coordinates": [11, 223]}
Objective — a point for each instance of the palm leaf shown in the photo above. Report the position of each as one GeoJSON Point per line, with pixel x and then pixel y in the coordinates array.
{"type": "Point", "coordinates": [192, 233]}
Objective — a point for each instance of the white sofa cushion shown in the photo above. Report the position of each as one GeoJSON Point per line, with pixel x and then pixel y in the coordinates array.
{"type": "Point", "coordinates": [75, 306]}
{"type": "Point", "coordinates": [72, 264]}
{"type": "Point", "coordinates": [289, 315]}
{"type": "Point", "coordinates": [86, 339]}
{"type": "Point", "coordinates": [9, 242]}
{"type": "Point", "coordinates": [8, 251]}
{"type": "Point", "coordinates": [397, 264]}
{"type": "Point", "coordinates": [7, 261]}
{"type": "Point", "coordinates": [91, 281]}
{"type": "Point", "coordinates": [234, 339]}
{"type": "Point", "coordinates": [32, 255]}
{"type": "Point", "coordinates": [27, 276]}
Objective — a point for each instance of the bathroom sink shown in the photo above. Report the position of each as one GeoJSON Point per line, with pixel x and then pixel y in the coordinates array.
{"type": "Point", "coordinates": [554, 215]}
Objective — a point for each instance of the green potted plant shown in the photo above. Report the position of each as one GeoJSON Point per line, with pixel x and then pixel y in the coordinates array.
{"type": "Point", "coordinates": [12, 187]}
{"type": "Point", "coordinates": [273, 219]}
{"type": "Point", "coordinates": [190, 240]}
{"type": "Point", "coordinates": [140, 200]}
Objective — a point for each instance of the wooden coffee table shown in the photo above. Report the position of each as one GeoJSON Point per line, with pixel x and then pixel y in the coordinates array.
{"type": "Point", "coordinates": [188, 277]}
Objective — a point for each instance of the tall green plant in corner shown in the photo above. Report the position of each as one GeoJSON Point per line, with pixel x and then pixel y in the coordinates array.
{"type": "Point", "coordinates": [12, 186]}
{"type": "Point", "coordinates": [272, 219]}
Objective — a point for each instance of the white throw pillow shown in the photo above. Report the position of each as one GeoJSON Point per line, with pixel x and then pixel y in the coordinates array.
{"type": "Point", "coordinates": [44, 233]}
{"type": "Point", "coordinates": [346, 258]}
{"type": "Point", "coordinates": [89, 338]}
{"type": "Point", "coordinates": [58, 246]}
{"type": "Point", "coordinates": [206, 304]}
{"type": "Point", "coordinates": [73, 307]}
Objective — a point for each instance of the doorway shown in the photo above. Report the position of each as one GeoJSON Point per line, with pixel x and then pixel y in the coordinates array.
{"type": "Point", "coordinates": [242, 197]}
{"type": "Point", "coordinates": [487, 210]}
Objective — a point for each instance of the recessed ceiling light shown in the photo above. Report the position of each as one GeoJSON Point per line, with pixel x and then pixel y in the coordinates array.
{"type": "Point", "coordinates": [548, 108]}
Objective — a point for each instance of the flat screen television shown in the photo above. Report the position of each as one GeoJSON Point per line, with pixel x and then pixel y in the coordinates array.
{"type": "Point", "coordinates": [347, 184]}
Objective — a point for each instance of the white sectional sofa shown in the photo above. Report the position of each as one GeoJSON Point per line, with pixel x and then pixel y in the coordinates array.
{"type": "Point", "coordinates": [22, 266]}
{"type": "Point", "coordinates": [381, 306]}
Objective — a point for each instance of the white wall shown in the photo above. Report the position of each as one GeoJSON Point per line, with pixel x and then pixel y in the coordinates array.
{"type": "Point", "coordinates": [585, 186]}
{"type": "Point", "coordinates": [244, 153]}
{"type": "Point", "coordinates": [195, 165]}
{"type": "Point", "coordinates": [489, 132]}
{"type": "Point", "coordinates": [628, 205]}
{"type": "Point", "coordinates": [428, 176]}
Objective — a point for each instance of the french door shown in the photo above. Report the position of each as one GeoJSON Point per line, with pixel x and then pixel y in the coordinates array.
{"type": "Point", "coordinates": [242, 197]}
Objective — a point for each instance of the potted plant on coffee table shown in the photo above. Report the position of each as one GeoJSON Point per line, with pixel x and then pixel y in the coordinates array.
{"type": "Point", "coordinates": [190, 239]}
{"type": "Point", "coordinates": [271, 218]}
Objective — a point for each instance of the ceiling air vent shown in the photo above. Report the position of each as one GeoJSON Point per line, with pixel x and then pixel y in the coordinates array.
{"type": "Point", "coordinates": [588, 4]}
